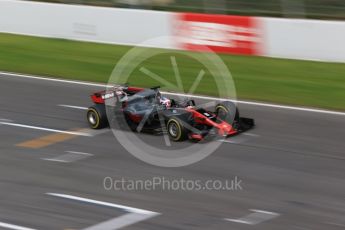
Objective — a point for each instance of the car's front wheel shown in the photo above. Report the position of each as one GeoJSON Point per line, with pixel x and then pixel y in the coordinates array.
{"type": "Point", "coordinates": [176, 131]}
{"type": "Point", "coordinates": [227, 111]}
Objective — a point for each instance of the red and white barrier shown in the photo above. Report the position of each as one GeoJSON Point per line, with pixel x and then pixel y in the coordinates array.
{"type": "Point", "coordinates": [220, 33]}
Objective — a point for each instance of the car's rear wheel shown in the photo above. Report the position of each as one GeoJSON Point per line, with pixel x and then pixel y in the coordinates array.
{"type": "Point", "coordinates": [176, 131]}
{"type": "Point", "coordinates": [97, 117]}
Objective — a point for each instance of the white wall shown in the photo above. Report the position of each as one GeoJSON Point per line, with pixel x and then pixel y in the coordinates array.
{"type": "Point", "coordinates": [305, 39]}
{"type": "Point", "coordinates": [101, 24]}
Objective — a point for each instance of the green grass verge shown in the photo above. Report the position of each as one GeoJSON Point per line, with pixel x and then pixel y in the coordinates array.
{"type": "Point", "coordinates": [303, 83]}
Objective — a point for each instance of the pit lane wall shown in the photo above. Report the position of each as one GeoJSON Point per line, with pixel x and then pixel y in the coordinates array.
{"type": "Point", "coordinates": [272, 37]}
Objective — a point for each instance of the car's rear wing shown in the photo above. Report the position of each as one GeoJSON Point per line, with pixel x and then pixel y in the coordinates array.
{"type": "Point", "coordinates": [100, 96]}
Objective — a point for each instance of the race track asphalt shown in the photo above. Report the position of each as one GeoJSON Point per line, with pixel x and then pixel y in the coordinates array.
{"type": "Point", "coordinates": [292, 168]}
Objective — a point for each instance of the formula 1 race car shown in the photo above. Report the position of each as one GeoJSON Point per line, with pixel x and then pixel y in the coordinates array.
{"type": "Point", "coordinates": [147, 110]}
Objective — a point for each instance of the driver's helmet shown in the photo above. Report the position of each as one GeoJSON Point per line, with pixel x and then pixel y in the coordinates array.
{"type": "Point", "coordinates": [165, 101]}
{"type": "Point", "coordinates": [121, 95]}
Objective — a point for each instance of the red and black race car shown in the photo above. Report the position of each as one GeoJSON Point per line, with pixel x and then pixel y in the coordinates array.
{"type": "Point", "coordinates": [147, 110]}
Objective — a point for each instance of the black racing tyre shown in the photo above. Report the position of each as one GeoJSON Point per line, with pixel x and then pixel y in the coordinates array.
{"type": "Point", "coordinates": [176, 130]}
{"type": "Point", "coordinates": [227, 111]}
{"type": "Point", "coordinates": [97, 116]}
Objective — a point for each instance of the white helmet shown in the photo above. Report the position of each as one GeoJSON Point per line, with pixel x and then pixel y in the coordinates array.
{"type": "Point", "coordinates": [165, 101]}
{"type": "Point", "coordinates": [121, 95]}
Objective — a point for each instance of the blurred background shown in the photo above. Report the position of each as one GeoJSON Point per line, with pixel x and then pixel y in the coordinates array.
{"type": "Point", "coordinates": [281, 51]}
{"type": "Point", "coordinates": [316, 9]}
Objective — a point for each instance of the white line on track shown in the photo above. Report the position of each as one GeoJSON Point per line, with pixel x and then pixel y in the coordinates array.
{"type": "Point", "coordinates": [304, 109]}
{"type": "Point", "coordinates": [70, 157]}
{"type": "Point", "coordinates": [102, 203]}
{"type": "Point", "coordinates": [230, 141]}
{"type": "Point", "coordinates": [239, 221]}
{"type": "Point", "coordinates": [251, 134]}
{"type": "Point", "coordinates": [336, 224]}
{"type": "Point", "coordinates": [55, 160]}
{"type": "Point", "coordinates": [135, 215]}
{"type": "Point", "coordinates": [265, 212]}
{"type": "Point", "coordinates": [257, 217]}
{"type": "Point", "coordinates": [244, 137]}
{"type": "Point", "coordinates": [46, 129]}
{"type": "Point", "coordinates": [79, 153]}
{"type": "Point", "coordinates": [14, 227]}
{"type": "Point", "coordinates": [5, 120]}
{"type": "Point", "coordinates": [74, 107]}
{"type": "Point", "coordinates": [95, 132]}
{"type": "Point", "coordinates": [51, 79]}
{"type": "Point", "coordinates": [119, 222]}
